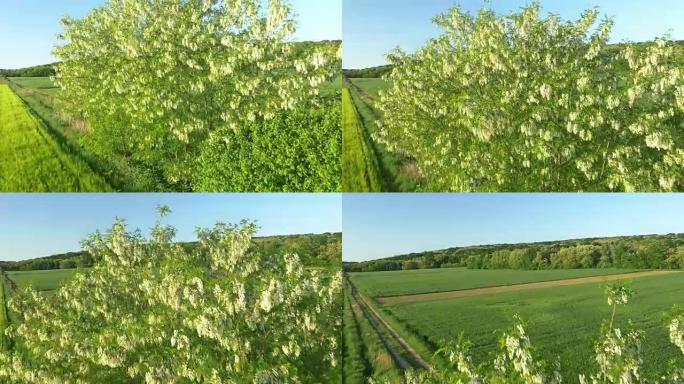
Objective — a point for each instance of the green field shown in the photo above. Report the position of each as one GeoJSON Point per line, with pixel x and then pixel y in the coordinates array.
{"type": "Point", "coordinates": [4, 319]}
{"type": "Point", "coordinates": [359, 166]}
{"type": "Point", "coordinates": [392, 283]}
{"type": "Point", "coordinates": [370, 86]}
{"type": "Point", "coordinates": [32, 160]}
{"type": "Point", "coordinates": [44, 84]}
{"type": "Point", "coordinates": [43, 281]}
{"type": "Point", "coordinates": [562, 322]}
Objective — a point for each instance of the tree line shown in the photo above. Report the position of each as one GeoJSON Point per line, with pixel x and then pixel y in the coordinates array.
{"type": "Point", "coordinates": [364, 73]}
{"type": "Point", "coordinates": [314, 250]}
{"type": "Point", "coordinates": [640, 252]}
{"type": "Point", "coordinates": [36, 71]}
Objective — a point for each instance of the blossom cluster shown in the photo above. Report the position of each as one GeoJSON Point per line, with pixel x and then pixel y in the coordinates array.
{"type": "Point", "coordinates": [526, 102]}
{"type": "Point", "coordinates": [157, 311]}
{"type": "Point", "coordinates": [162, 76]}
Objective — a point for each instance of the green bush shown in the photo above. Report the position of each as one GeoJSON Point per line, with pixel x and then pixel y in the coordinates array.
{"type": "Point", "coordinates": [295, 151]}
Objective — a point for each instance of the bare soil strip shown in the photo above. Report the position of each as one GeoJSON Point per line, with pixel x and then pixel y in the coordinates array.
{"type": "Point", "coordinates": [514, 287]}
{"type": "Point", "coordinates": [376, 317]}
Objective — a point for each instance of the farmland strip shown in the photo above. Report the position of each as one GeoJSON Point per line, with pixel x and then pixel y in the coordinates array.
{"type": "Point", "coordinates": [515, 287]}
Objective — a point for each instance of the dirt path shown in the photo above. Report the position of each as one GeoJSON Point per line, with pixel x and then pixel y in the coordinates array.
{"type": "Point", "coordinates": [377, 321]}
{"type": "Point", "coordinates": [514, 287]}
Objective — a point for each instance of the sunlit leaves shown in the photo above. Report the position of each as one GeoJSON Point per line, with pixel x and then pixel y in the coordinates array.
{"type": "Point", "coordinates": [156, 311]}
{"type": "Point", "coordinates": [526, 102]}
{"type": "Point", "coordinates": [164, 75]}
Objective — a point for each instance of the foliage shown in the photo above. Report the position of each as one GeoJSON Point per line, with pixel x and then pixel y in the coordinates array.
{"type": "Point", "coordinates": [294, 151]}
{"type": "Point", "coordinates": [359, 164]}
{"type": "Point", "coordinates": [31, 158]}
{"type": "Point", "coordinates": [641, 252]}
{"type": "Point", "coordinates": [152, 311]}
{"type": "Point", "coordinates": [156, 80]}
{"type": "Point", "coordinates": [523, 102]}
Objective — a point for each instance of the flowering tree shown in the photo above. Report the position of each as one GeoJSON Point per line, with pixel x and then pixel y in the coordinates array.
{"type": "Point", "coordinates": [157, 78]}
{"type": "Point", "coordinates": [156, 311]}
{"type": "Point", "coordinates": [522, 102]}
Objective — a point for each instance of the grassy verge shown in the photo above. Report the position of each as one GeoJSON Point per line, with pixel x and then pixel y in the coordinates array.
{"type": "Point", "coordinates": [4, 319]}
{"type": "Point", "coordinates": [359, 165]}
{"type": "Point", "coordinates": [395, 170]}
{"type": "Point", "coordinates": [120, 172]}
{"type": "Point", "coordinates": [377, 361]}
{"type": "Point", "coordinates": [356, 367]}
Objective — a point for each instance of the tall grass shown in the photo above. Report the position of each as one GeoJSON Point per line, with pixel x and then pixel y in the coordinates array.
{"type": "Point", "coordinates": [30, 158]}
{"type": "Point", "coordinates": [359, 164]}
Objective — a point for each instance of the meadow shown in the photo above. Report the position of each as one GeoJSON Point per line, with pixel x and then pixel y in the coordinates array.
{"type": "Point", "coordinates": [359, 166]}
{"type": "Point", "coordinates": [30, 157]}
{"type": "Point", "coordinates": [562, 322]}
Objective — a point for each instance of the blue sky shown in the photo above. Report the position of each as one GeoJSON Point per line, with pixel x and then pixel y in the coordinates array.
{"type": "Point", "coordinates": [373, 28]}
{"type": "Point", "coordinates": [28, 28]}
{"type": "Point", "coordinates": [34, 225]}
{"type": "Point", "coordinates": [383, 225]}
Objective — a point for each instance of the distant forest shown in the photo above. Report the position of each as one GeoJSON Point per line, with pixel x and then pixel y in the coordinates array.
{"type": "Point", "coordinates": [641, 252]}
{"type": "Point", "coordinates": [37, 71]}
{"type": "Point", "coordinates": [315, 250]}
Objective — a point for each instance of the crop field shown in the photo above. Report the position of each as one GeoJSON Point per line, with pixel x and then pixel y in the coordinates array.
{"type": "Point", "coordinates": [562, 321]}
{"type": "Point", "coordinates": [370, 86]}
{"type": "Point", "coordinates": [394, 283]}
{"type": "Point", "coordinates": [32, 160]}
{"type": "Point", "coordinates": [43, 281]}
{"type": "Point", "coordinates": [359, 168]}
{"type": "Point", "coordinates": [44, 84]}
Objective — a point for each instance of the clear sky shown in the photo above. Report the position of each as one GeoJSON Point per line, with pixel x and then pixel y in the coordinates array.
{"type": "Point", "coordinates": [383, 225]}
{"type": "Point", "coordinates": [373, 28]}
{"type": "Point", "coordinates": [34, 225]}
{"type": "Point", "coordinates": [28, 28]}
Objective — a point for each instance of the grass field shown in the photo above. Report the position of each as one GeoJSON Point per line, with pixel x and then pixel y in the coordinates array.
{"type": "Point", "coordinates": [394, 283]}
{"type": "Point", "coordinates": [562, 321]}
{"type": "Point", "coordinates": [31, 160]}
{"type": "Point", "coordinates": [370, 86]}
{"type": "Point", "coordinates": [4, 319]}
{"type": "Point", "coordinates": [359, 166]}
{"type": "Point", "coordinates": [44, 84]}
{"type": "Point", "coordinates": [43, 281]}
